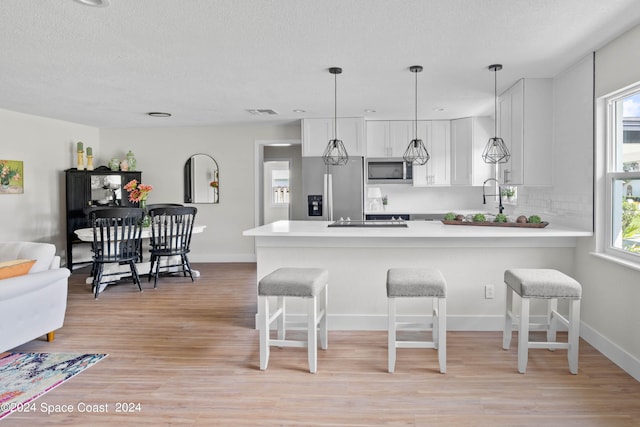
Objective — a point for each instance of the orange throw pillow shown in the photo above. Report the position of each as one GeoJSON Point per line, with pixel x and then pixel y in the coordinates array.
{"type": "Point", "coordinates": [18, 267]}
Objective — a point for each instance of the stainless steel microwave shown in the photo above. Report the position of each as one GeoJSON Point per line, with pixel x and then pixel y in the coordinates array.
{"type": "Point", "coordinates": [389, 171]}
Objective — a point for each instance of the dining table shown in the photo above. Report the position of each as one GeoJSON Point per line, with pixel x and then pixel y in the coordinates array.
{"type": "Point", "coordinates": [143, 266]}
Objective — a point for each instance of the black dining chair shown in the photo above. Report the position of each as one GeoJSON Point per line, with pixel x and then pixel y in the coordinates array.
{"type": "Point", "coordinates": [163, 205]}
{"type": "Point", "coordinates": [171, 230]}
{"type": "Point", "coordinates": [116, 240]}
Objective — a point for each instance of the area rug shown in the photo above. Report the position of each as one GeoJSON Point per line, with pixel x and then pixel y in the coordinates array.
{"type": "Point", "coordinates": [26, 376]}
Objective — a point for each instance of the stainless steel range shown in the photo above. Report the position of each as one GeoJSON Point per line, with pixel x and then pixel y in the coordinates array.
{"type": "Point", "coordinates": [369, 223]}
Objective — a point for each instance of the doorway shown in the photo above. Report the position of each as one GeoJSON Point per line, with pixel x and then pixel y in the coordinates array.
{"type": "Point", "coordinates": [278, 181]}
{"type": "Point", "coordinates": [276, 191]}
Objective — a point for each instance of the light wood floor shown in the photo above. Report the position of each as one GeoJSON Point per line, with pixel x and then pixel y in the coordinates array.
{"type": "Point", "coordinates": [187, 353]}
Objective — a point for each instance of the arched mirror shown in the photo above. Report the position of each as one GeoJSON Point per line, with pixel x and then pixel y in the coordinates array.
{"type": "Point", "coordinates": [201, 180]}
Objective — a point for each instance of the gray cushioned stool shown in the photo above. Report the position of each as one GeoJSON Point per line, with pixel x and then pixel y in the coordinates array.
{"type": "Point", "coordinates": [308, 283]}
{"type": "Point", "coordinates": [414, 283]}
{"type": "Point", "coordinates": [546, 284]}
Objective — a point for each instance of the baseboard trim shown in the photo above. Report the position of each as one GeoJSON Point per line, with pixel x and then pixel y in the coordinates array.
{"type": "Point", "coordinates": [611, 350]}
{"type": "Point", "coordinates": [222, 258]}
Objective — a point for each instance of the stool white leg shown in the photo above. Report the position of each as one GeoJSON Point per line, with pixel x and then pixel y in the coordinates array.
{"type": "Point", "coordinates": [312, 334]}
{"type": "Point", "coordinates": [391, 327]}
{"type": "Point", "coordinates": [435, 322]}
{"type": "Point", "coordinates": [552, 321]}
{"type": "Point", "coordinates": [523, 336]}
{"type": "Point", "coordinates": [324, 334]}
{"type": "Point", "coordinates": [263, 325]}
{"type": "Point", "coordinates": [508, 320]}
{"type": "Point", "coordinates": [442, 334]}
{"type": "Point", "coordinates": [282, 318]}
{"type": "Point", "coordinates": [574, 335]}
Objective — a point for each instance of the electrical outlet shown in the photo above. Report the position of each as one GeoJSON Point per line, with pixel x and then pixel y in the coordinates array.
{"type": "Point", "coordinates": [488, 291]}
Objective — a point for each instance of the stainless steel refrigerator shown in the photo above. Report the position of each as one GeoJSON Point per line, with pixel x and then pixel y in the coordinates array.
{"type": "Point", "coordinates": [334, 192]}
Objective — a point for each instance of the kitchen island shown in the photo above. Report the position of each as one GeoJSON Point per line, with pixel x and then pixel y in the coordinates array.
{"type": "Point", "coordinates": [357, 259]}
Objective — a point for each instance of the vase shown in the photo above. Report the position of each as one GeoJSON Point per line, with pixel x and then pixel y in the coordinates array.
{"type": "Point", "coordinates": [131, 160]}
{"type": "Point", "coordinates": [114, 164]}
{"type": "Point", "coordinates": [5, 184]}
{"type": "Point", "coordinates": [146, 219]}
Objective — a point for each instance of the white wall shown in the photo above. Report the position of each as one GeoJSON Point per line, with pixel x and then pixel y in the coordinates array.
{"type": "Point", "coordinates": [46, 147]}
{"type": "Point", "coordinates": [161, 155]}
{"type": "Point", "coordinates": [611, 292]}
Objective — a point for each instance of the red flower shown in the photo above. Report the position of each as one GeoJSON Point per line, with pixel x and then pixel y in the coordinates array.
{"type": "Point", "coordinates": [137, 192]}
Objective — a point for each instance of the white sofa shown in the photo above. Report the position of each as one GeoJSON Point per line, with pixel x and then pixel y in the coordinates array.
{"type": "Point", "coordinates": [34, 304]}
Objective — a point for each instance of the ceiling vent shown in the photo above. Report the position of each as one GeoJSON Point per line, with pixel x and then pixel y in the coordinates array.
{"type": "Point", "coordinates": [263, 112]}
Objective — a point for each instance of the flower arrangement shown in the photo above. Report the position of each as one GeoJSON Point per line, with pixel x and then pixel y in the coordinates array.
{"type": "Point", "coordinates": [7, 173]}
{"type": "Point", "coordinates": [137, 192]}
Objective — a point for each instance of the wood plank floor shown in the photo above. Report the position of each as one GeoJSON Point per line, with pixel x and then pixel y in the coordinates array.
{"type": "Point", "coordinates": [187, 353]}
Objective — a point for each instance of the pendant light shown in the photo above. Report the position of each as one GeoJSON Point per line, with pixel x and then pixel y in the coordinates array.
{"type": "Point", "coordinates": [335, 154]}
{"type": "Point", "coordinates": [495, 151]}
{"type": "Point", "coordinates": [416, 152]}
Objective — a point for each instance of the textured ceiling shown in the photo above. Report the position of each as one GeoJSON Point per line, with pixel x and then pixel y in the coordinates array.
{"type": "Point", "coordinates": [209, 61]}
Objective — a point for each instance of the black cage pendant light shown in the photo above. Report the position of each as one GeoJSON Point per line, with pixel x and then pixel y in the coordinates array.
{"type": "Point", "coordinates": [496, 151]}
{"type": "Point", "coordinates": [335, 154]}
{"type": "Point", "coordinates": [416, 152]}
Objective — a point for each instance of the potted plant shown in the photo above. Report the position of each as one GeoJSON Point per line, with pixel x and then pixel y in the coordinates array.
{"type": "Point", "coordinates": [509, 193]}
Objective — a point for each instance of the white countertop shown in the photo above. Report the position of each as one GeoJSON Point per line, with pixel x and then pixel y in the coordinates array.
{"type": "Point", "coordinates": [414, 229]}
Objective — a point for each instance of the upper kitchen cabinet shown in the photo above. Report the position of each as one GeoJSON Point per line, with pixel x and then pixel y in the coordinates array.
{"type": "Point", "coordinates": [388, 138]}
{"type": "Point", "coordinates": [436, 135]}
{"type": "Point", "coordinates": [316, 134]}
{"type": "Point", "coordinates": [525, 120]}
{"type": "Point", "coordinates": [468, 139]}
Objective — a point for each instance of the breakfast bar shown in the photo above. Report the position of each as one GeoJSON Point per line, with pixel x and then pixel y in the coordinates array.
{"type": "Point", "coordinates": [472, 259]}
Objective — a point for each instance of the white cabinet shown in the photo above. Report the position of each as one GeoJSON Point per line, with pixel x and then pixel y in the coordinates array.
{"type": "Point", "coordinates": [391, 138]}
{"type": "Point", "coordinates": [525, 122]}
{"type": "Point", "coordinates": [469, 136]}
{"type": "Point", "coordinates": [388, 138]}
{"type": "Point", "coordinates": [316, 134]}
{"type": "Point", "coordinates": [436, 135]}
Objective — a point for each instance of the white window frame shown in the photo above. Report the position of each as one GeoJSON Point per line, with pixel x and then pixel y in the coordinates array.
{"type": "Point", "coordinates": [613, 135]}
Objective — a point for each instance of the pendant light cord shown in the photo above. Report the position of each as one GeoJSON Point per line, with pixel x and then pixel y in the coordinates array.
{"type": "Point", "coordinates": [415, 123]}
{"type": "Point", "coordinates": [335, 106]}
{"type": "Point", "coordinates": [495, 102]}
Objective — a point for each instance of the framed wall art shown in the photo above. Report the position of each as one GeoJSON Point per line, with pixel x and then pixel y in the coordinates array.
{"type": "Point", "coordinates": [11, 177]}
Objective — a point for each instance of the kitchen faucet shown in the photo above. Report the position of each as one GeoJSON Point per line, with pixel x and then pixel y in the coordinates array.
{"type": "Point", "coordinates": [484, 198]}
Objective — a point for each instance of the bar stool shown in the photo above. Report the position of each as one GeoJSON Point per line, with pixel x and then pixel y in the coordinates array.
{"type": "Point", "coordinates": [414, 283]}
{"type": "Point", "coordinates": [307, 283]}
{"type": "Point", "coordinates": [546, 284]}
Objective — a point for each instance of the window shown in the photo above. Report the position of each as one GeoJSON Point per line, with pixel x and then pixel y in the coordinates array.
{"type": "Point", "coordinates": [623, 174]}
{"type": "Point", "coordinates": [280, 186]}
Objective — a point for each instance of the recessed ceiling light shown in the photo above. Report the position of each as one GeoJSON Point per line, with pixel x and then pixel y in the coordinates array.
{"type": "Point", "coordinates": [369, 110]}
{"type": "Point", "coordinates": [94, 3]}
{"type": "Point", "coordinates": [438, 109]}
{"type": "Point", "coordinates": [158, 114]}
{"type": "Point", "coordinates": [297, 110]}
